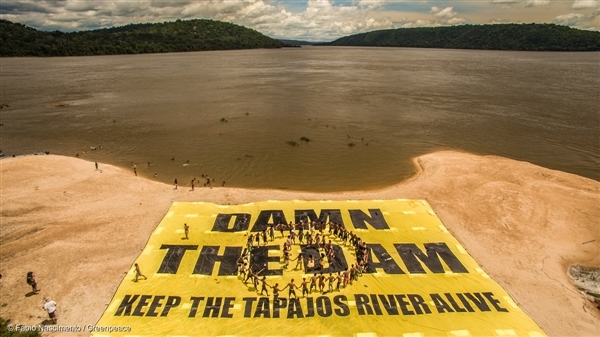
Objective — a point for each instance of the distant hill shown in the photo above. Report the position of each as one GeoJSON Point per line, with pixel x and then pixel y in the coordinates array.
{"type": "Point", "coordinates": [296, 42]}
{"type": "Point", "coordinates": [534, 37]}
{"type": "Point", "coordinates": [179, 36]}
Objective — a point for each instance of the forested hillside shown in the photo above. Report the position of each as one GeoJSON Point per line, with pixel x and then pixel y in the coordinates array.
{"type": "Point", "coordinates": [178, 36]}
{"type": "Point", "coordinates": [534, 37]}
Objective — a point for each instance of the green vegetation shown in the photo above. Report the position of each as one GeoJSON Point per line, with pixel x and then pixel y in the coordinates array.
{"type": "Point", "coordinates": [532, 37]}
{"type": "Point", "coordinates": [224, 120]}
{"type": "Point", "coordinates": [179, 36]}
{"type": "Point", "coordinates": [5, 332]}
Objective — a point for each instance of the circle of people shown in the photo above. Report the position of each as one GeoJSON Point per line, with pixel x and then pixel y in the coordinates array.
{"type": "Point", "coordinates": [313, 234]}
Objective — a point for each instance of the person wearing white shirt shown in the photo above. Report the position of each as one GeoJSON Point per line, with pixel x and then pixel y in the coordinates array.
{"type": "Point", "coordinates": [50, 307]}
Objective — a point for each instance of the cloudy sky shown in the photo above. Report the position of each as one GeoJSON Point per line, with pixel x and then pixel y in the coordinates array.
{"type": "Point", "coordinates": [314, 20]}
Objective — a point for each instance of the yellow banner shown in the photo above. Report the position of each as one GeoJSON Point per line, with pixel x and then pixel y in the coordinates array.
{"type": "Point", "coordinates": [359, 268]}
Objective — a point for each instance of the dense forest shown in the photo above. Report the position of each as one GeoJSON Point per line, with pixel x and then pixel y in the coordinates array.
{"type": "Point", "coordinates": [533, 37]}
{"type": "Point", "coordinates": [178, 36]}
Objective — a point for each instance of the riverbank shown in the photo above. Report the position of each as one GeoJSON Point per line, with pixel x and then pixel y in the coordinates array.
{"type": "Point", "coordinates": [80, 229]}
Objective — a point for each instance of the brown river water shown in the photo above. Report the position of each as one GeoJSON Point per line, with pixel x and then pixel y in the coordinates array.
{"type": "Point", "coordinates": [392, 104]}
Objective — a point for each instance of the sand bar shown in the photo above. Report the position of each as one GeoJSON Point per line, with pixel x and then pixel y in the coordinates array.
{"type": "Point", "coordinates": [80, 229]}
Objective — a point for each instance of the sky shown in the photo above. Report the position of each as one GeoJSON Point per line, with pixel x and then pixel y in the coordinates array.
{"type": "Point", "coordinates": [311, 20]}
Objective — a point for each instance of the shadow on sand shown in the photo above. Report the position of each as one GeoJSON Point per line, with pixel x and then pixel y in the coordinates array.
{"type": "Point", "coordinates": [31, 293]}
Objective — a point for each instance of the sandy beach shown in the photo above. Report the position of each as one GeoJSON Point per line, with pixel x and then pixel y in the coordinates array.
{"type": "Point", "coordinates": [80, 229]}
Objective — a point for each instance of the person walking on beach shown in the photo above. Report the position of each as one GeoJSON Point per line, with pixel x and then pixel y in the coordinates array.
{"type": "Point", "coordinates": [50, 307]}
{"type": "Point", "coordinates": [96, 163]}
{"type": "Point", "coordinates": [135, 171]}
{"type": "Point", "coordinates": [138, 273]}
{"type": "Point", "coordinates": [186, 230]}
{"type": "Point", "coordinates": [192, 184]}
{"type": "Point", "coordinates": [175, 183]}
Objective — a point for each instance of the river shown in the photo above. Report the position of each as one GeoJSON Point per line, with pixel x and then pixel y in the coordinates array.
{"type": "Point", "coordinates": [365, 111]}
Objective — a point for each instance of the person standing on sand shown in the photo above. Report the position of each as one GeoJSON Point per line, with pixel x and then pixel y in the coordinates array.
{"type": "Point", "coordinates": [300, 261]}
{"type": "Point", "coordinates": [304, 286]}
{"type": "Point", "coordinates": [175, 183]}
{"type": "Point", "coordinates": [264, 235]}
{"type": "Point", "coordinates": [31, 281]}
{"type": "Point", "coordinates": [135, 171]}
{"type": "Point", "coordinates": [50, 307]}
{"type": "Point", "coordinates": [96, 163]}
{"type": "Point", "coordinates": [264, 286]}
{"type": "Point", "coordinates": [313, 282]}
{"type": "Point", "coordinates": [186, 230]}
{"type": "Point", "coordinates": [292, 290]}
{"type": "Point", "coordinates": [275, 292]}
{"type": "Point", "coordinates": [192, 184]}
{"type": "Point", "coordinates": [138, 273]}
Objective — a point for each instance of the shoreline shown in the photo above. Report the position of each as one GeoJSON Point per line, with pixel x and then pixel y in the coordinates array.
{"type": "Point", "coordinates": [418, 169]}
{"type": "Point", "coordinates": [522, 223]}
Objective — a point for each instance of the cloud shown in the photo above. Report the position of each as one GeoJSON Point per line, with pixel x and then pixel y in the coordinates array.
{"type": "Point", "coordinates": [456, 21]}
{"type": "Point", "coordinates": [534, 3]}
{"type": "Point", "coordinates": [578, 20]}
{"type": "Point", "coordinates": [572, 19]}
{"type": "Point", "coordinates": [420, 23]}
{"type": "Point", "coordinates": [80, 6]}
{"type": "Point", "coordinates": [21, 7]}
{"type": "Point", "coordinates": [499, 21]}
{"type": "Point", "coordinates": [445, 13]}
{"type": "Point", "coordinates": [371, 4]}
{"type": "Point", "coordinates": [321, 19]}
{"type": "Point", "coordinates": [315, 20]}
{"type": "Point", "coordinates": [438, 17]}
{"type": "Point", "coordinates": [583, 4]}
{"type": "Point", "coordinates": [445, 16]}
